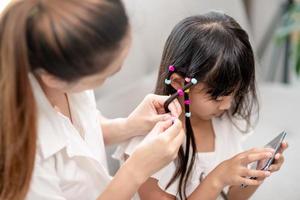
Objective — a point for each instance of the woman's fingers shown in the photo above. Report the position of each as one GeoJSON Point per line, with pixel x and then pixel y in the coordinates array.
{"type": "Point", "coordinates": [162, 126]}
{"type": "Point", "coordinates": [175, 108]}
{"type": "Point", "coordinates": [173, 130]}
{"type": "Point", "coordinates": [174, 137]}
{"type": "Point", "coordinates": [158, 102]}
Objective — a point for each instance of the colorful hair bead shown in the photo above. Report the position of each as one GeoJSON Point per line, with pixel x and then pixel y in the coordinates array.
{"type": "Point", "coordinates": [180, 92]}
{"type": "Point", "coordinates": [188, 114]}
{"type": "Point", "coordinates": [187, 102]}
{"type": "Point", "coordinates": [187, 79]}
{"type": "Point", "coordinates": [187, 90]}
{"type": "Point", "coordinates": [194, 81]}
{"type": "Point", "coordinates": [167, 81]}
{"type": "Point", "coordinates": [171, 68]}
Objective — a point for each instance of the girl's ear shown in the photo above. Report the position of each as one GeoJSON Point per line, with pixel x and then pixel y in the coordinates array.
{"type": "Point", "coordinates": [177, 82]}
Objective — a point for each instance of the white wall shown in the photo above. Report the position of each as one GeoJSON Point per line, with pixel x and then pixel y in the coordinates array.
{"type": "Point", "coordinates": [3, 3]}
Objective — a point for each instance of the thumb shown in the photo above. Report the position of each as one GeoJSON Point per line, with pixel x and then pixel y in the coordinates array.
{"type": "Point", "coordinates": [161, 126]}
{"type": "Point", "coordinates": [162, 117]}
{"type": "Point", "coordinates": [173, 131]}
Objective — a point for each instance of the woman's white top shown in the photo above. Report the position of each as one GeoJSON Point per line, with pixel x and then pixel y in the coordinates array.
{"type": "Point", "coordinates": [70, 162]}
{"type": "Point", "coordinates": [228, 141]}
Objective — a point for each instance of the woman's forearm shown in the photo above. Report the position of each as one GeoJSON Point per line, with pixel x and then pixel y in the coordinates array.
{"type": "Point", "coordinates": [116, 130]}
{"type": "Point", "coordinates": [124, 184]}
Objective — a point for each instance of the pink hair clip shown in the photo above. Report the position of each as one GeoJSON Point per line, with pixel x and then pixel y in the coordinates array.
{"type": "Point", "coordinates": [180, 92]}
{"type": "Point", "coordinates": [187, 79]}
{"type": "Point", "coordinates": [171, 68]}
{"type": "Point", "coordinates": [187, 102]}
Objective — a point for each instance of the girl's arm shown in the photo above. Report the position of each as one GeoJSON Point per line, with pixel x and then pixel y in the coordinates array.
{"type": "Point", "coordinates": [236, 192]}
{"type": "Point", "coordinates": [140, 121]}
{"type": "Point", "coordinates": [209, 189]}
{"type": "Point", "coordinates": [229, 172]}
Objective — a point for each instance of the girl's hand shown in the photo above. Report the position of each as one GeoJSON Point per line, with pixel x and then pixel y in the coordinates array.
{"type": "Point", "coordinates": [235, 171]}
{"type": "Point", "coordinates": [159, 150]}
{"type": "Point", "coordinates": [279, 159]}
{"type": "Point", "coordinates": [149, 112]}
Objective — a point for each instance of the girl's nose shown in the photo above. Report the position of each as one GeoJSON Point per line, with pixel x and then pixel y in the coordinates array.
{"type": "Point", "coordinates": [226, 103]}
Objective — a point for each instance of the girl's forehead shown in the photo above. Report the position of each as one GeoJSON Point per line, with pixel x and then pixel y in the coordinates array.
{"type": "Point", "coordinates": [201, 86]}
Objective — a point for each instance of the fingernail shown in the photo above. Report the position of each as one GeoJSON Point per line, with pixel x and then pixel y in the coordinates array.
{"type": "Point", "coordinates": [277, 156]}
{"type": "Point", "coordinates": [271, 149]}
{"type": "Point", "coordinates": [173, 119]}
{"type": "Point", "coordinates": [269, 154]}
{"type": "Point", "coordinates": [267, 173]}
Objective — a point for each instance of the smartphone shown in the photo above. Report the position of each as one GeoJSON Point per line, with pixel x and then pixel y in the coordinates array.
{"type": "Point", "coordinates": [274, 144]}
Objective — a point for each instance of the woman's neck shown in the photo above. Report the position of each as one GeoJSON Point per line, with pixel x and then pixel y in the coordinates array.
{"type": "Point", "coordinates": [58, 99]}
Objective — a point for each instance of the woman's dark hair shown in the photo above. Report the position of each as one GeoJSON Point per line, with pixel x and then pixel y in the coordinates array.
{"type": "Point", "coordinates": [69, 39]}
{"type": "Point", "coordinates": [215, 50]}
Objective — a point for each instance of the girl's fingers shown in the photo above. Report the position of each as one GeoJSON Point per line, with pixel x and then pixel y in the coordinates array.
{"type": "Point", "coordinates": [274, 168]}
{"type": "Point", "coordinates": [284, 146]}
{"type": "Point", "coordinates": [256, 173]}
{"type": "Point", "coordinates": [258, 150]}
{"type": "Point", "coordinates": [252, 157]}
{"type": "Point", "coordinates": [277, 165]}
{"type": "Point", "coordinates": [247, 181]}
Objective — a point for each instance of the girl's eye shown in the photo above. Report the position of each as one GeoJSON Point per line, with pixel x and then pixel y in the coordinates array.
{"type": "Point", "coordinates": [219, 99]}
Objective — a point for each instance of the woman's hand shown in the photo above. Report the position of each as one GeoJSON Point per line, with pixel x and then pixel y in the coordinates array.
{"type": "Point", "coordinates": [235, 171]}
{"type": "Point", "coordinates": [149, 157]}
{"type": "Point", "coordinates": [159, 150]}
{"type": "Point", "coordinates": [149, 112]}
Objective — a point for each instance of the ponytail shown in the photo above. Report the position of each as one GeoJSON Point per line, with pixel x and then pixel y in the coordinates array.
{"type": "Point", "coordinates": [17, 105]}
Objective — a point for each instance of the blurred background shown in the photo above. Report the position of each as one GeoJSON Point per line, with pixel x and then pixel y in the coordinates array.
{"type": "Point", "coordinates": [274, 30]}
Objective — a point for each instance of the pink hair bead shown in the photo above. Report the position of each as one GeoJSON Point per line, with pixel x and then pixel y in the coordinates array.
{"type": "Point", "coordinates": [187, 80]}
{"type": "Point", "coordinates": [187, 102]}
{"type": "Point", "coordinates": [180, 92]}
{"type": "Point", "coordinates": [171, 68]}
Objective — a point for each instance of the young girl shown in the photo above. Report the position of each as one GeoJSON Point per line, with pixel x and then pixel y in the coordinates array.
{"type": "Point", "coordinates": [214, 53]}
{"type": "Point", "coordinates": [52, 137]}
